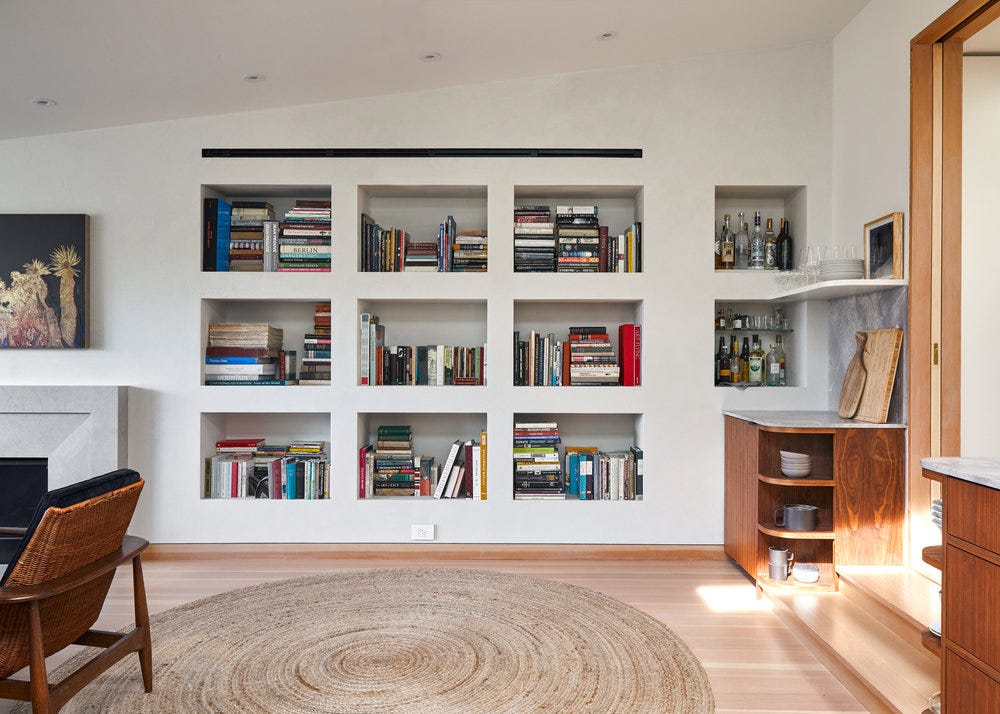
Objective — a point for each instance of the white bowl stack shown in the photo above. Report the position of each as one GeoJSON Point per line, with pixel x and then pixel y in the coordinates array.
{"type": "Point", "coordinates": [795, 465]}
{"type": "Point", "coordinates": [842, 269]}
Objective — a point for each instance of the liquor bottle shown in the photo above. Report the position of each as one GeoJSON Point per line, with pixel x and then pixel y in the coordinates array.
{"type": "Point", "coordinates": [786, 250]}
{"type": "Point", "coordinates": [720, 320]}
{"type": "Point", "coordinates": [770, 247]}
{"type": "Point", "coordinates": [718, 248]}
{"type": "Point", "coordinates": [725, 364]}
{"type": "Point", "coordinates": [776, 364]}
{"type": "Point", "coordinates": [735, 368]}
{"type": "Point", "coordinates": [742, 243]}
{"type": "Point", "coordinates": [718, 359]}
{"type": "Point", "coordinates": [745, 361]}
{"type": "Point", "coordinates": [757, 244]}
{"type": "Point", "coordinates": [756, 371]}
{"type": "Point", "coordinates": [781, 361]}
{"type": "Point", "coordinates": [728, 246]}
{"type": "Point", "coordinates": [737, 322]}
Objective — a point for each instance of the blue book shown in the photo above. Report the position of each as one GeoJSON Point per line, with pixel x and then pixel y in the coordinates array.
{"type": "Point", "coordinates": [239, 360]}
{"type": "Point", "coordinates": [574, 474]}
{"type": "Point", "coordinates": [290, 478]}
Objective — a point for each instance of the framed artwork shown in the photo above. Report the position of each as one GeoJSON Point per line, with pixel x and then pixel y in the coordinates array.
{"type": "Point", "coordinates": [43, 280]}
{"type": "Point", "coordinates": [884, 247]}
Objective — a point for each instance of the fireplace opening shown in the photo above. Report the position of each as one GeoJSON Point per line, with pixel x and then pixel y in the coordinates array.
{"type": "Point", "coordinates": [23, 482]}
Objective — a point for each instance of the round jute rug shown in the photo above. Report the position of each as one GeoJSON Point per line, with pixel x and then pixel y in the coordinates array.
{"type": "Point", "coordinates": [402, 640]}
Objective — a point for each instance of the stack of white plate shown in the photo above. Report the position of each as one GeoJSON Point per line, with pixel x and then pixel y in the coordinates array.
{"type": "Point", "coordinates": [795, 464]}
{"type": "Point", "coordinates": [936, 512]}
{"type": "Point", "coordinates": [842, 269]}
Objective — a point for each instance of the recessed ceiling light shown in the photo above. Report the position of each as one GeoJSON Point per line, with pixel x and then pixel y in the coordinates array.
{"type": "Point", "coordinates": [43, 102]}
{"type": "Point", "coordinates": [253, 78]}
{"type": "Point", "coordinates": [431, 57]}
{"type": "Point", "coordinates": [607, 35]}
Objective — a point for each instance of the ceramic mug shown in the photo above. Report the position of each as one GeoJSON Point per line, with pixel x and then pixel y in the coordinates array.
{"type": "Point", "coordinates": [796, 517]}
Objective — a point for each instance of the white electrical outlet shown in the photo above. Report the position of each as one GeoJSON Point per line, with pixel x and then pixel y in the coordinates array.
{"type": "Point", "coordinates": [422, 531]}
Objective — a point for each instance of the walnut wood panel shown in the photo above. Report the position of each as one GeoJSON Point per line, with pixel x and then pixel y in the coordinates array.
{"type": "Point", "coordinates": [868, 503]}
{"type": "Point", "coordinates": [966, 689]}
{"type": "Point", "coordinates": [933, 555]}
{"type": "Point", "coordinates": [818, 446]}
{"type": "Point", "coordinates": [814, 551]}
{"type": "Point", "coordinates": [771, 497]}
{"type": "Point", "coordinates": [971, 593]}
{"type": "Point", "coordinates": [931, 642]}
{"type": "Point", "coordinates": [741, 493]}
{"type": "Point", "coordinates": [972, 513]}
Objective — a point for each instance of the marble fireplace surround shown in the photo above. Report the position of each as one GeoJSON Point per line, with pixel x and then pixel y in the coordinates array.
{"type": "Point", "coordinates": [81, 430]}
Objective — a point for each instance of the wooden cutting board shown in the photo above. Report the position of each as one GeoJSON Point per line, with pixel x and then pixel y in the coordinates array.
{"type": "Point", "coordinates": [854, 380]}
{"type": "Point", "coordinates": [881, 358]}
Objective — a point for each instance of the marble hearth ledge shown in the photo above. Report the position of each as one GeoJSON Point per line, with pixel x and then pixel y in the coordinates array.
{"type": "Point", "coordinates": [984, 470]}
{"type": "Point", "coordinates": [804, 420]}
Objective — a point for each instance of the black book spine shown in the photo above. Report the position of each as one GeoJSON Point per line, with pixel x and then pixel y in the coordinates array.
{"type": "Point", "coordinates": [210, 234]}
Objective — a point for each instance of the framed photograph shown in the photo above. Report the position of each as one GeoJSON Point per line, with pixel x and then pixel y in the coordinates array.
{"type": "Point", "coordinates": [884, 247]}
{"type": "Point", "coordinates": [43, 280]}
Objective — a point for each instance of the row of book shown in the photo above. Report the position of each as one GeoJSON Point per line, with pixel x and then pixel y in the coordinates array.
{"type": "Point", "coordinates": [440, 365]}
{"type": "Point", "coordinates": [575, 242]}
{"type": "Point", "coordinates": [390, 467]}
{"type": "Point", "coordinates": [585, 358]}
{"type": "Point", "coordinates": [244, 236]}
{"type": "Point", "coordinates": [251, 468]}
{"type": "Point", "coordinates": [393, 250]}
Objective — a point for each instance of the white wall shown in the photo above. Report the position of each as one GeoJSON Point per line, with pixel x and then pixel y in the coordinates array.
{"type": "Point", "coordinates": [751, 118]}
{"type": "Point", "coordinates": [871, 113]}
{"type": "Point", "coordinates": [980, 296]}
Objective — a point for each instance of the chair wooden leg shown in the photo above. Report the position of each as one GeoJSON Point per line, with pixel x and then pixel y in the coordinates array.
{"type": "Point", "coordinates": [142, 620]}
{"type": "Point", "coordinates": [36, 668]}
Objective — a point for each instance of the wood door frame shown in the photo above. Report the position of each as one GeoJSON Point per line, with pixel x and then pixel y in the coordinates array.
{"type": "Point", "coordinates": [935, 251]}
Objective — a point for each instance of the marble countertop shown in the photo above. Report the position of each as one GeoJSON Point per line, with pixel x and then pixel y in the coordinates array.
{"type": "Point", "coordinates": [805, 419]}
{"type": "Point", "coordinates": [984, 470]}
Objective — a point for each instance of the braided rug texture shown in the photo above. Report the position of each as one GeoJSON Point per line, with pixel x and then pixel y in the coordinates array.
{"type": "Point", "coordinates": [406, 640]}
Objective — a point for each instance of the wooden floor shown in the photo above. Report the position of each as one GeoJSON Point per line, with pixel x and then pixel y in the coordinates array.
{"type": "Point", "coordinates": [755, 663]}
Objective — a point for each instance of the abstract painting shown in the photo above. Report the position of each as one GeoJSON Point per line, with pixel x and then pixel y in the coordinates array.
{"type": "Point", "coordinates": [43, 280]}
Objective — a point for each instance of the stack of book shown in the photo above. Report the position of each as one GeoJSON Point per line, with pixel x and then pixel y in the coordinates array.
{"type": "Point", "coordinates": [243, 354]}
{"type": "Point", "coordinates": [597, 475]}
{"type": "Point", "coordinates": [316, 356]}
{"type": "Point", "coordinates": [578, 234]}
{"type": "Point", "coordinates": [305, 471]}
{"type": "Point", "coordinates": [469, 252]}
{"type": "Point", "coordinates": [246, 235]}
{"type": "Point", "coordinates": [534, 240]}
{"type": "Point", "coordinates": [592, 359]}
{"type": "Point", "coordinates": [392, 470]}
{"type": "Point", "coordinates": [421, 256]}
{"type": "Point", "coordinates": [537, 470]}
{"type": "Point", "coordinates": [305, 241]}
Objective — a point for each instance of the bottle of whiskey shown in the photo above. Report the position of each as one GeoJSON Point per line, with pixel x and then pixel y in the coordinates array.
{"type": "Point", "coordinates": [785, 247]}
{"type": "Point", "coordinates": [742, 243]}
{"type": "Point", "coordinates": [718, 359]}
{"type": "Point", "coordinates": [745, 361]}
{"type": "Point", "coordinates": [725, 364]}
{"type": "Point", "coordinates": [770, 247]}
{"type": "Point", "coordinates": [718, 248]}
{"type": "Point", "coordinates": [756, 363]}
{"type": "Point", "coordinates": [728, 246]}
{"type": "Point", "coordinates": [735, 368]}
{"type": "Point", "coordinates": [757, 244]}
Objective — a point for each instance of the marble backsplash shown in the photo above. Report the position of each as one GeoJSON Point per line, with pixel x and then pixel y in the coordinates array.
{"type": "Point", "coordinates": [848, 315]}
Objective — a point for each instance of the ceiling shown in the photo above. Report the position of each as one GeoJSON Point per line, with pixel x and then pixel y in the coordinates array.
{"type": "Point", "coordinates": [114, 62]}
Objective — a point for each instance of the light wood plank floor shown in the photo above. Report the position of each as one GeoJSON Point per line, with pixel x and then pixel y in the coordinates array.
{"type": "Point", "coordinates": [755, 663]}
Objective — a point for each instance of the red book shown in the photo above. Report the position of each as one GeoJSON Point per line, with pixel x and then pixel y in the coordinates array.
{"type": "Point", "coordinates": [238, 443]}
{"type": "Point", "coordinates": [629, 350]}
{"type": "Point", "coordinates": [467, 476]}
{"type": "Point", "coordinates": [258, 352]}
{"type": "Point", "coordinates": [362, 453]}
{"type": "Point", "coordinates": [235, 479]}
{"type": "Point", "coordinates": [565, 364]}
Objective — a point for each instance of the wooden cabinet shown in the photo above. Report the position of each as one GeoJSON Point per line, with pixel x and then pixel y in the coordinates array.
{"type": "Point", "coordinates": [856, 481]}
{"type": "Point", "coordinates": [970, 627]}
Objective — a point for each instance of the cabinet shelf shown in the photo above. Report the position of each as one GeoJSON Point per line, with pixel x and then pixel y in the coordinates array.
{"type": "Point", "coordinates": [933, 555]}
{"type": "Point", "coordinates": [931, 642]}
{"type": "Point", "coordinates": [773, 530]}
{"type": "Point", "coordinates": [786, 481]}
{"type": "Point", "coordinates": [826, 583]}
{"type": "Point", "coordinates": [832, 289]}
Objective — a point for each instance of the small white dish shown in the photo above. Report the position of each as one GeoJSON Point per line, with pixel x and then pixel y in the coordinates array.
{"type": "Point", "coordinates": [935, 627]}
{"type": "Point", "coordinates": [805, 572]}
{"type": "Point", "coordinates": [794, 455]}
{"type": "Point", "coordinates": [795, 473]}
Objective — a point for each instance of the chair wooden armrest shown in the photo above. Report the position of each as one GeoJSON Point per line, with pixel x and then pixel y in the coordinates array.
{"type": "Point", "coordinates": [131, 548]}
{"type": "Point", "coordinates": [9, 530]}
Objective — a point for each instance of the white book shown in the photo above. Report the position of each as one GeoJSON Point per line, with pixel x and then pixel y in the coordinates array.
{"type": "Point", "coordinates": [446, 470]}
{"type": "Point", "coordinates": [365, 339]}
{"type": "Point", "coordinates": [477, 480]}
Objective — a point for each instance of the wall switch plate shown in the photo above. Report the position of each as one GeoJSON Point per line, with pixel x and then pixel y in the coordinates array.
{"type": "Point", "coordinates": [423, 531]}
